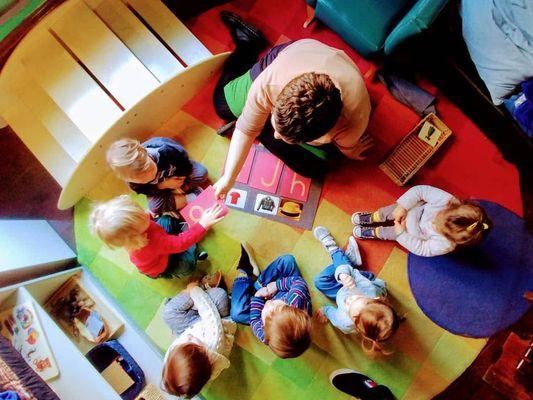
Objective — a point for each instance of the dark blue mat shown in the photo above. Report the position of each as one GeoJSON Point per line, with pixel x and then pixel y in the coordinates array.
{"type": "Point", "coordinates": [479, 291]}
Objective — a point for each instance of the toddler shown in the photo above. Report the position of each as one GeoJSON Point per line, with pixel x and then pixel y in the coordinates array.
{"type": "Point", "coordinates": [362, 306]}
{"type": "Point", "coordinates": [427, 222]}
{"type": "Point", "coordinates": [204, 339]}
{"type": "Point", "coordinates": [164, 248]}
{"type": "Point", "coordinates": [159, 168]}
{"type": "Point", "coordinates": [277, 305]}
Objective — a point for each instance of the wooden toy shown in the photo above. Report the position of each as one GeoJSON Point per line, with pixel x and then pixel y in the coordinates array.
{"type": "Point", "coordinates": [81, 316]}
{"type": "Point", "coordinates": [415, 149]}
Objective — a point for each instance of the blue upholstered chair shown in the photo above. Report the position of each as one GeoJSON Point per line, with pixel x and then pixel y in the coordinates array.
{"type": "Point", "coordinates": [374, 27]}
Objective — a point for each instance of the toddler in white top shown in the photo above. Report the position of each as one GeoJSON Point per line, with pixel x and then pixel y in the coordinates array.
{"type": "Point", "coordinates": [201, 350]}
{"type": "Point", "coordinates": [425, 220]}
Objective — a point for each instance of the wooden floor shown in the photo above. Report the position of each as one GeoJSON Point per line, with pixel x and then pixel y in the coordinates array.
{"type": "Point", "coordinates": [29, 192]}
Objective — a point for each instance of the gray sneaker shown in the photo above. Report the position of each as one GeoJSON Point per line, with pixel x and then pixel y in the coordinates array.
{"type": "Point", "coordinates": [353, 253]}
{"type": "Point", "coordinates": [363, 218]}
{"type": "Point", "coordinates": [324, 236]}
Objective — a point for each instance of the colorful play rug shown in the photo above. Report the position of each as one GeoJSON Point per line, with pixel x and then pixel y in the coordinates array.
{"type": "Point", "coordinates": [426, 358]}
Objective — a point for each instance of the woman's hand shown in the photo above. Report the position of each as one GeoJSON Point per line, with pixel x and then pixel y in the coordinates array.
{"type": "Point", "coordinates": [222, 187]}
{"type": "Point", "coordinates": [347, 281]}
{"type": "Point", "coordinates": [211, 216]}
{"type": "Point", "coordinates": [399, 214]}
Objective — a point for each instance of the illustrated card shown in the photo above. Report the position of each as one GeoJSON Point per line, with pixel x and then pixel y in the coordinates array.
{"type": "Point", "coordinates": [193, 211]}
{"type": "Point", "coordinates": [269, 188]}
{"type": "Point", "coordinates": [21, 326]}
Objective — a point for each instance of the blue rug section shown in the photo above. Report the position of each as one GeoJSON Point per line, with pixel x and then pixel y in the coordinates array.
{"type": "Point", "coordinates": [479, 291]}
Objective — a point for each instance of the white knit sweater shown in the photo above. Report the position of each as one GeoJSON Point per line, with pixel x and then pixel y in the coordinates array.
{"type": "Point", "coordinates": [216, 333]}
{"type": "Point", "coordinates": [423, 203]}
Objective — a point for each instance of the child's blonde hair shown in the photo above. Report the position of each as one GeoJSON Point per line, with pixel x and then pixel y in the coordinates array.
{"type": "Point", "coordinates": [464, 223]}
{"type": "Point", "coordinates": [120, 222]}
{"type": "Point", "coordinates": [127, 158]}
{"type": "Point", "coordinates": [377, 322]}
{"type": "Point", "coordinates": [186, 370]}
{"type": "Point", "coordinates": [288, 331]}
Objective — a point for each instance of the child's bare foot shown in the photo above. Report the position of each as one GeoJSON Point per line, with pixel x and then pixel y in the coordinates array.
{"type": "Point", "coordinates": [191, 285]}
{"type": "Point", "coordinates": [321, 317]}
{"type": "Point", "coordinates": [212, 280]}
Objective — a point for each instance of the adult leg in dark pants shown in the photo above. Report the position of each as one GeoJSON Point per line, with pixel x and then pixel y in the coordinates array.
{"type": "Point", "coordinates": [249, 42]}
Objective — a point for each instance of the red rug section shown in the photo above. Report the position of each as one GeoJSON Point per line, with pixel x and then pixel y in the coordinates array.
{"type": "Point", "coordinates": [468, 165]}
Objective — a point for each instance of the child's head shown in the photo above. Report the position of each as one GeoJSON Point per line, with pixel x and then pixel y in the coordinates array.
{"type": "Point", "coordinates": [288, 331]}
{"type": "Point", "coordinates": [307, 108]}
{"type": "Point", "coordinates": [131, 162]}
{"type": "Point", "coordinates": [376, 321]}
{"type": "Point", "coordinates": [464, 223]}
{"type": "Point", "coordinates": [120, 222]}
{"type": "Point", "coordinates": [186, 370]}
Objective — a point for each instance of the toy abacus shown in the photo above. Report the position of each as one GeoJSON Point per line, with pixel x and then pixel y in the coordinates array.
{"type": "Point", "coordinates": [412, 152]}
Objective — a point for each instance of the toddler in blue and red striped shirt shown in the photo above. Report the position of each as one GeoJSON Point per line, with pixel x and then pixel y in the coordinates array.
{"type": "Point", "coordinates": [275, 303]}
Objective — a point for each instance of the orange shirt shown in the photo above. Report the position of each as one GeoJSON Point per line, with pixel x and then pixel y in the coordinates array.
{"type": "Point", "coordinates": [308, 55]}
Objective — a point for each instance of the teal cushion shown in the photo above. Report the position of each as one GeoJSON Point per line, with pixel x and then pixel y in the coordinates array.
{"type": "Point", "coordinates": [418, 19]}
{"type": "Point", "coordinates": [312, 3]}
{"type": "Point", "coordinates": [363, 24]}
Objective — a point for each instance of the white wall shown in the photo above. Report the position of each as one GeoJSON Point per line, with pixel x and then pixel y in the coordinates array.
{"type": "Point", "coordinates": [29, 248]}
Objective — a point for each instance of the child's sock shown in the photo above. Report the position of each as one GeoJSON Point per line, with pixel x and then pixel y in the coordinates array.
{"type": "Point", "coordinates": [324, 236]}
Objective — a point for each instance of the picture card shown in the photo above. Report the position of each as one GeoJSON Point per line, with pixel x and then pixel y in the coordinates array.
{"type": "Point", "coordinates": [236, 198]}
{"type": "Point", "coordinates": [244, 175]}
{"type": "Point", "coordinates": [266, 172]}
{"type": "Point", "coordinates": [266, 204]}
{"type": "Point", "coordinates": [193, 211]}
{"type": "Point", "coordinates": [294, 186]}
{"type": "Point", "coordinates": [290, 209]}
{"type": "Point", "coordinates": [22, 327]}
{"type": "Point", "coordinates": [429, 134]}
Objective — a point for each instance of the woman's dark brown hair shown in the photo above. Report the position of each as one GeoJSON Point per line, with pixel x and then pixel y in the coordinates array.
{"type": "Point", "coordinates": [307, 108]}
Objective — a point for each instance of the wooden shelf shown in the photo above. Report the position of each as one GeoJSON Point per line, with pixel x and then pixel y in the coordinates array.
{"type": "Point", "coordinates": [75, 371]}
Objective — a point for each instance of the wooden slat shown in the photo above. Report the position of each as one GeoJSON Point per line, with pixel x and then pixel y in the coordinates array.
{"type": "Point", "coordinates": [145, 117]}
{"type": "Point", "coordinates": [141, 42]}
{"type": "Point", "coordinates": [65, 81]}
{"type": "Point", "coordinates": [39, 140]}
{"type": "Point", "coordinates": [107, 58]}
{"type": "Point", "coordinates": [171, 30]}
{"type": "Point", "coordinates": [56, 122]}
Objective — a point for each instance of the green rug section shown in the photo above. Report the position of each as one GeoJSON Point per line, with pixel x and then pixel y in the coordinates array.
{"type": "Point", "coordinates": [18, 17]}
{"type": "Point", "coordinates": [425, 360]}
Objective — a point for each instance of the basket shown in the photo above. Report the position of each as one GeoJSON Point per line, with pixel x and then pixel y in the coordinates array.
{"type": "Point", "coordinates": [412, 152]}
